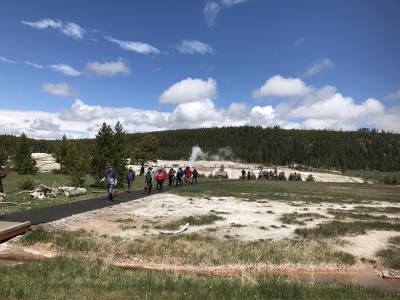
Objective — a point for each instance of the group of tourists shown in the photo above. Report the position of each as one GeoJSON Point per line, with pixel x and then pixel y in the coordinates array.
{"type": "Point", "coordinates": [174, 177]}
{"type": "Point", "coordinates": [159, 177]}
{"type": "Point", "coordinates": [272, 175]}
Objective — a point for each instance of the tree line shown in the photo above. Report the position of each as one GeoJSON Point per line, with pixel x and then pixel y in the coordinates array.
{"type": "Point", "coordinates": [363, 149]}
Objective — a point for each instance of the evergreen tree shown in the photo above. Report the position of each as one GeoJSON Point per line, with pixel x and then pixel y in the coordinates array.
{"type": "Point", "coordinates": [102, 152]}
{"type": "Point", "coordinates": [147, 148]}
{"type": "Point", "coordinates": [60, 152]}
{"type": "Point", "coordinates": [24, 163]}
{"type": "Point", "coordinates": [77, 164]}
{"type": "Point", "coordinates": [119, 155]}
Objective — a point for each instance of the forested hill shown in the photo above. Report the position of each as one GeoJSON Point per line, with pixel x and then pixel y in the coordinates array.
{"type": "Point", "coordinates": [363, 149]}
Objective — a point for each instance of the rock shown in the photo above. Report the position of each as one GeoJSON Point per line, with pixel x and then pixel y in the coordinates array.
{"type": "Point", "coordinates": [45, 162]}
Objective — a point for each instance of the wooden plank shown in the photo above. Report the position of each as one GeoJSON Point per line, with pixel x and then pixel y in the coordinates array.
{"type": "Point", "coordinates": [11, 229]}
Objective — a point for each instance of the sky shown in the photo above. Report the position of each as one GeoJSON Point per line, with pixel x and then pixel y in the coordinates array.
{"type": "Point", "coordinates": [68, 66]}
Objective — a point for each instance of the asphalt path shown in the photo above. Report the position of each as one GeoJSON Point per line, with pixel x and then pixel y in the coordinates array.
{"type": "Point", "coordinates": [55, 212]}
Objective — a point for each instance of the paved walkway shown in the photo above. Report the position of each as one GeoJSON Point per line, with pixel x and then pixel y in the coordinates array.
{"type": "Point", "coordinates": [55, 212]}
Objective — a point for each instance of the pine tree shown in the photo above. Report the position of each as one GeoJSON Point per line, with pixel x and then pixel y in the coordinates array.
{"type": "Point", "coordinates": [147, 148]}
{"type": "Point", "coordinates": [24, 163]}
{"type": "Point", "coordinates": [77, 164]}
{"type": "Point", "coordinates": [60, 152]}
{"type": "Point", "coordinates": [102, 152]}
{"type": "Point", "coordinates": [119, 154]}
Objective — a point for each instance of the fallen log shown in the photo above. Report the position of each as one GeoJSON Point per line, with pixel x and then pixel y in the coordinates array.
{"type": "Point", "coordinates": [184, 228]}
{"type": "Point", "coordinates": [70, 191]}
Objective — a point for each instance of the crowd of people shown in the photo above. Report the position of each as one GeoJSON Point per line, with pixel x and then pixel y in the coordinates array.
{"type": "Point", "coordinates": [153, 176]}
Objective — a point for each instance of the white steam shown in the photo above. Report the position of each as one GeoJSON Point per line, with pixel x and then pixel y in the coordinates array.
{"type": "Point", "coordinates": [224, 153]}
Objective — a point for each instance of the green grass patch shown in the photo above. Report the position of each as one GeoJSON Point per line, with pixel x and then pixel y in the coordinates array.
{"type": "Point", "coordinates": [192, 220]}
{"type": "Point", "coordinates": [77, 278]}
{"type": "Point", "coordinates": [391, 255]}
{"type": "Point", "coordinates": [299, 218]}
{"type": "Point", "coordinates": [346, 214]}
{"type": "Point", "coordinates": [337, 228]}
{"type": "Point", "coordinates": [386, 209]}
{"type": "Point", "coordinates": [311, 192]}
{"type": "Point", "coordinates": [195, 249]}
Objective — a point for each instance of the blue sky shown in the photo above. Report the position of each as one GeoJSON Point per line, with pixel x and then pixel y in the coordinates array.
{"type": "Point", "coordinates": [194, 63]}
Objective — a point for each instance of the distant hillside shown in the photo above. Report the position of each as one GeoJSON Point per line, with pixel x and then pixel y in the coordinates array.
{"type": "Point", "coordinates": [363, 149]}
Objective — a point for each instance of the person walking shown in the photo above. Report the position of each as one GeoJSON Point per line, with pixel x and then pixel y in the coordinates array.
{"type": "Point", "coordinates": [171, 175]}
{"type": "Point", "coordinates": [130, 177]}
{"type": "Point", "coordinates": [248, 175]}
{"type": "Point", "coordinates": [3, 174]}
{"type": "Point", "coordinates": [160, 177]}
{"type": "Point", "coordinates": [243, 174]}
{"type": "Point", "coordinates": [195, 174]}
{"type": "Point", "coordinates": [111, 178]}
{"type": "Point", "coordinates": [141, 170]}
{"type": "Point", "coordinates": [179, 176]}
{"type": "Point", "coordinates": [148, 180]}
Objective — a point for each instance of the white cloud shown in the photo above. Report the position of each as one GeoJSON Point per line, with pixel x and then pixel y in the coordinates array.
{"type": "Point", "coordinates": [194, 47]}
{"type": "Point", "coordinates": [70, 29]}
{"type": "Point", "coordinates": [6, 60]}
{"type": "Point", "coordinates": [319, 66]}
{"type": "Point", "coordinates": [323, 108]}
{"type": "Point", "coordinates": [190, 90]}
{"type": "Point", "coordinates": [108, 68]}
{"type": "Point", "coordinates": [138, 47]}
{"type": "Point", "coordinates": [59, 89]}
{"type": "Point", "coordinates": [211, 11]}
{"type": "Point", "coordinates": [232, 2]}
{"type": "Point", "coordinates": [391, 96]}
{"type": "Point", "coordinates": [32, 64]}
{"type": "Point", "coordinates": [65, 69]}
{"type": "Point", "coordinates": [278, 86]}
{"type": "Point", "coordinates": [73, 30]}
{"type": "Point", "coordinates": [300, 41]}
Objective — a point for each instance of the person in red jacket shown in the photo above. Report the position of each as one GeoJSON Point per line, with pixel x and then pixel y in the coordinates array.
{"type": "Point", "coordinates": [188, 175]}
{"type": "Point", "coordinates": [160, 177]}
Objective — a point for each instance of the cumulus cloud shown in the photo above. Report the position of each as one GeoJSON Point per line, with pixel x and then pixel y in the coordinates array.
{"type": "Point", "coordinates": [69, 28]}
{"type": "Point", "coordinates": [111, 68]}
{"type": "Point", "coordinates": [190, 90]}
{"type": "Point", "coordinates": [138, 47]}
{"type": "Point", "coordinates": [278, 86]}
{"type": "Point", "coordinates": [319, 66]}
{"type": "Point", "coordinates": [65, 69]}
{"type": "Point", "coordinates": [320, 108]}
{"type": "Point", "coordinates": [391, 96]}
{"type": "Point", "coordinates": [211, 11]}
{"type": "Point", "coordinates": [59, 89]}
{"type": "Point", "coordinates": [194, 47]}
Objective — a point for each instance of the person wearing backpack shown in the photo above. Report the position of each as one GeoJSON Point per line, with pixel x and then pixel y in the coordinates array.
{"type": "Point", "coordinates": [130, 177]}
{"type": "Point", "coordinates": [148, 180]}
{"type": "Point", "coordinates": [171, 175]}
{"type": "Point", "coordinates": [111, 178]}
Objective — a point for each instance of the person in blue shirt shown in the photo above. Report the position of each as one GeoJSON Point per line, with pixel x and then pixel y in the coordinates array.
{"type": "Point", "coordinates": [111, 178]}
{"type": "Point", "coordinates": [130, 177]}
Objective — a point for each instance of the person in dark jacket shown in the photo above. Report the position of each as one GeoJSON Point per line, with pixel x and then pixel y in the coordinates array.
{"type": "Point", "coordinates": [179, 176]}
{"type": "Point", "coordinates": [130, 177]}
{"type": "Point", "coordinates": [243, 174]}
{"type": "Point", "coordinates": [141, 170]}
{"type": "Point", "coordinates": [3, 174]}
{"type": "Point", "coordinates": [111, 179]}
{"type": "Point", "coordinates": [148, 180]}
{"type": "Point", "coordinates": [195, 174]}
